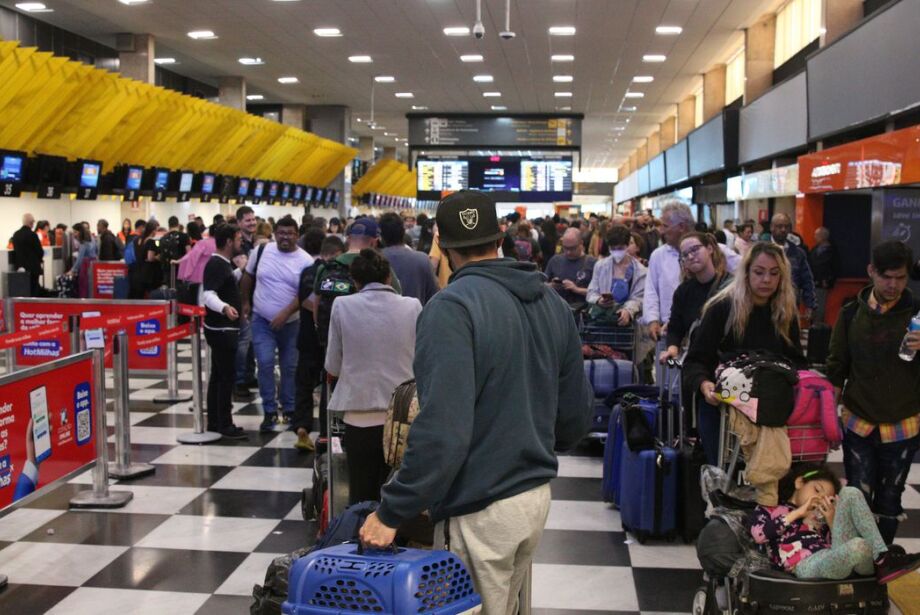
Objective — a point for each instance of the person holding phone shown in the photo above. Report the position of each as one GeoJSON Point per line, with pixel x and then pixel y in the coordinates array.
{"type": "Point", "coordinates": [618, 285]}
{"type": "Point", "coordinates": [570, 273]}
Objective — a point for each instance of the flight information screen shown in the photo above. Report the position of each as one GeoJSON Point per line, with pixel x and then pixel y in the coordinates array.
{"type": "Point", "coordinates": [438, 175]}
{"type": "Point", "coordinates": [546, 175]}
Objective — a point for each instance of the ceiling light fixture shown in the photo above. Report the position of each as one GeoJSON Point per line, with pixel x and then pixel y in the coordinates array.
{"type": "Point", "coordinates": [287, 80]}
{"type": "Point", "coordinates": [643, 79]}
{"type": "Point", "coordinates": [563, 78]}
{"type": "Point", "coordinates": [327, 32]}
{"type": "Point", "coordinates": [635, 94]}
{"type": "Point", "coordinates": [654, 58]}
{"type": "Point", "coordinates": [628, 110]}
{"type": "Point", "coordinates": [563, 108]}
{"type": "Point", "coordinates": [202, 35]}
{"type": "Point", "coordinates": [491, 94]}
{"type": "Point", "coordinates": [404, 95]}
{"type": "Point", "coordinates": [668, 30]}
{"type": "Point", "coordinates": [457, 31]}
{"type": "Point", "coordinates": [419, 108]}
{"type": "Point", "coordinates": [471, 57]}
{"type": "Point", "coordinates": [562, 57]}
{"type": "Point", "coordinates": [255, 97]}
{"type": "Point", "coordinates": [563, 95]}
{"type": "Point", "coordinates": [384, 79]}
{"type": "Point", "coordinates": [360, 59]}
{"type": "Point", "coordinates": [33, 7]}
{"type": "Point", "coordinates": [162, 61]}
{"type": "Point", "coordinates": [251, 61]}
{"type": "Point", "coordinates": [378, 127]}
{"type": "Point", "coordinates": [562, 31]}
{"type": "Point", "coordinates": [499, 108]}
{"type": "Point", "coordinates": [130, 2]}
{"type": "Point", "coordinates": [483, 79]}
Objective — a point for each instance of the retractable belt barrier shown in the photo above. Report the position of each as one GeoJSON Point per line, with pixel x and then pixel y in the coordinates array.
{"type": "Point", "coordinates": [18, 338]}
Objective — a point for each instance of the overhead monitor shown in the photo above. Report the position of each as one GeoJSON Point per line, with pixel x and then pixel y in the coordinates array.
{"type": "Point", "coordinates": [207, 183]}
{"type": "Point", "coordinates": [134, 178]}
{"type": "Point", "coordinates": [298, 192]}
{"type": "Point", "coordinates": [185, 181]}
{"type": "Point", "coordinates": [12, 168]}
{"type": "Point", "coordinates": [242, 188]}
{"type": "Point", "coordinates": [259, 189]}
{"type": "Point", "coordinates": [546, 176]}
{"type": "Point", "coordinates": [286, 192]}
{"type": "Point", "coordinates": [308, 194]}
{"type": "Point", "coordinates": [89, 174]}
{"type": "Point", "coordinates": [273, 190]}
{"type": "Point", "coordinates": [161, 180]}
{"type": "Point", "coordinates": [319, 195]}
{"type": "Point", "coordinates": [441, 175]}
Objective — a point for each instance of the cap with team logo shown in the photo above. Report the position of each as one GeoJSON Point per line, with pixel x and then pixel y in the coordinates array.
{"type": "Point", "coordinates": [467, 218]}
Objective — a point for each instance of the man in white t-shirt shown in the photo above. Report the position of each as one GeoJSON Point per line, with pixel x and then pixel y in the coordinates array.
{"type": "Point", "coordinates": [274, 271]}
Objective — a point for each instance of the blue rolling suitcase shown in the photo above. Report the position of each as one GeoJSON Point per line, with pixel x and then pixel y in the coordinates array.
{"type": "Point", "coordinates": [615, 448]}
{"type": "Point", "coordinates": [344, 578]}
{"type": "Point", "coordinates": [608, 375]}
{"type": "Point", "coordinates": [122, 287]}
{"type": "Point", "coordinates": [648, 485]}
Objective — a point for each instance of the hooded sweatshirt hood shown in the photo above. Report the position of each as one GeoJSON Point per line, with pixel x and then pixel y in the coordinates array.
{"type": "Point", "coordinates": [522, 279]}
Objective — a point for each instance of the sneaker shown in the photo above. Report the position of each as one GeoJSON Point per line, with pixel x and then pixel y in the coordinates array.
{"type": "Point", "coordinates": [232, 434]}
{"type": "Point", "coordinates": [237, 429]}
{"type": "Point", "coordinates": [304, 443]}
{"type": "Point", "coordinates": [267, 425]}
{"type": "Point", "coordinates": [283, 419]}
{"type": "Point", "coordinates": [891, 566]}
{"type": "Point", "coordinates": [896, 549]}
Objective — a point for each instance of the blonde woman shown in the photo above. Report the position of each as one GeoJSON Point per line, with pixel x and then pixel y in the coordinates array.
{"type": "Point", "coordinates": [757, 311]}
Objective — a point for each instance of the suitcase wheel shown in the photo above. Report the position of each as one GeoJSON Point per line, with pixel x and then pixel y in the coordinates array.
{"type": "Point", "coordinates": [699, 601]}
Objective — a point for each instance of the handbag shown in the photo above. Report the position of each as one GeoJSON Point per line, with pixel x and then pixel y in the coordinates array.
{"type": "Point", "coordinates": [639, 434]}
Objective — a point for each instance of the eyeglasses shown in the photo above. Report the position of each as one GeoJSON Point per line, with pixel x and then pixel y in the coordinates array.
{"type": "Point", "coordinates": [691, 252]}
{"type": "Point", "coordinates": [571, 248]}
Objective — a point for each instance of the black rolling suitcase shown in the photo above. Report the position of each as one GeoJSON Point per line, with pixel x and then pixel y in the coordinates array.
{"type": "Point", "coordinates": [691, 508]}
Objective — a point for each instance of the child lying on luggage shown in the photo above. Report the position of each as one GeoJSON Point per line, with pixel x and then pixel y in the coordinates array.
{"type": "Point", "coordinates": [825, 531]}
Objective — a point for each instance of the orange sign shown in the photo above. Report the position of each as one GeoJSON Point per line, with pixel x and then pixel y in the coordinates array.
{"type": "Point", "coordinates": [890, 159]}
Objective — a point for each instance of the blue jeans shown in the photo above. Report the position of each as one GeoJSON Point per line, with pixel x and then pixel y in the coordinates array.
{"type": "Point", "coordinates": [709, 421]}
{"type": "Point", "coordinates": [266, 342]}
{"type": "Point", "coordinates": [245, 365]}
{"type": "Point", "coordinates": [880, 471]}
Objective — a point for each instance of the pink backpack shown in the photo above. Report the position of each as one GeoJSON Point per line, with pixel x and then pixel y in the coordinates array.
{"type": "Point", "coordinates": [814, 406]}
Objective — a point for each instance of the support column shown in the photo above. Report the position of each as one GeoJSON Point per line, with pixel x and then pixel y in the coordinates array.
{"type": "Point", "coordinates": [366, 149]}
{"type": "Point", "coordinates": [389, 153]}
{"type": "Point", "coordinates": [668, 131]}
{"type": "Point", "coordinates": [839, 17]}
{"type": "Point", "coordinates": [632, 161]}
{"type": "Point", "coordinates": [294, 116]}
{"type": "Point", "coordinates": [654, 144]}
{"type": "Point", "coordinates": [232, 92]}
{"type": "Point", "coordinates": [759, 44]}
{"type": "Point", "coordinates": [642, 154]}
{"type": "Point", "coordinates": [623, 171]}
{"type": "Point", "coordinates": [136, 61]}
{"type": "Point", "coordinates": [686, 116]}
{"type": "Point", "coordinates": [333, 122]}
{"type": "Point", "coordinates": [713, 92]}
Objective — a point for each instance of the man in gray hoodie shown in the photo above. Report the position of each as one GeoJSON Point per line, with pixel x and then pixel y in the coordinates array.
{"type": "Point", "coordinates": [501, 385]}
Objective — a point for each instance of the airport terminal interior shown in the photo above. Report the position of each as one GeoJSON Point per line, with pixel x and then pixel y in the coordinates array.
{"type": "Point", "coordinates": [155, 152]}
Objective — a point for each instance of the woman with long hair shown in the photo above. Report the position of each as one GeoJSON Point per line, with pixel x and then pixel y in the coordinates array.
{"type": "Point", "coordinates": [126, 231]}
{"type": "Point", "coordinates": [757, 311]}
{"type": "Point", "coordinates": [147, 274]}
{"type": "Point", "coordinates": [86, 254]}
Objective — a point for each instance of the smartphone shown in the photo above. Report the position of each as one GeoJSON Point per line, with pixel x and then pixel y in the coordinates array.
{"type": "Point", "coordinates": [607, 297]}
{"type": "Point", "coordinates": [41, 427]}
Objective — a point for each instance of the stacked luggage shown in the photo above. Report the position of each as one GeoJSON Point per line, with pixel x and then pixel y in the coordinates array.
{"type": "Point", "coordinates": [609, 353]}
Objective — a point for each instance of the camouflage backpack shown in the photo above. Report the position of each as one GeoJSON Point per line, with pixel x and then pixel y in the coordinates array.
{"type": "Point", "coordinates": [400, 415]}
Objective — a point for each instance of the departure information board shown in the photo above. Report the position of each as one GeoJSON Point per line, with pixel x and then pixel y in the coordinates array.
{"type": "Point", "coordinates": [439, 175]}
{"type": "Point", "coordinates": [546, 175]}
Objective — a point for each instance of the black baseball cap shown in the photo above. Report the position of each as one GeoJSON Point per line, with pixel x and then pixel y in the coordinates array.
{"type": "Point", "coordinates": [467, 218]}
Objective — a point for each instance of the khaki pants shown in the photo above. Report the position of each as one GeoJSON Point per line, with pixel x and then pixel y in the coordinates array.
{"type": "Point", "coordinates": [497, 545]}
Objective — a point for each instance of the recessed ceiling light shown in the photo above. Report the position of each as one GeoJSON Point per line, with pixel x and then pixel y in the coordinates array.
{"type": "Point", "coordinates": [33, 7]}
{"type": "Point", "coordinates": [384, 79]}
{"type": "Point", "coordinates": [360, 59]}
{"type": "Point", "coordinates": [643, 79]}
{"type": "Point", "coordinates": [202, 35]}
{"type": "Point", "coordinates": [404, 95]}
{"type": "Point", "coordinates": [491, 94]}
{"type": "Point", "coordinates": [457, 31]}
{"type": "Point", "coordinates": [499, 108]}
{"type": "Point", "coordinates": [419, 108]}
{"type": "Point", "coordinates": [654, 57]}
{"type": "Point", "coordinates": [386, 134]}
{"type": "Point", "coordinates": [563, 95]}
{"type": "Point", "coordinates": [288, 80]}
{"type": "Point", "coordinates": [254, 97]}
{"type": "Point", "coordinates": [471, 57]}
{"type": "Point", "coordinates": [562, 31]}
{"type": "Point", "coordinates": [251, 61]}
{"type": "Point", "coordinates": [668, 30]}
{"type": "Point", "coordinates": [635, 94]}
{"type": "Point", "coordinates": [327, 32]}
{"type": "Point", "coordinates": [619, 128]}
{"type": "Point", "coordinates": [563, 108]}
{"type": "Point", "coordinates": [563, 78]}
{"type": "Point", "coordinates": [562, 57]}
{"type": "Point", "coordinates": [164, 61]}
{"type": "Point", "coordinates": [377, 127]}
{"type": "Point", "coordinates": [483, 79]}
{"type": "Point", "coordinates": [628, 110]}
{"type": "Point", "coordinates": [130, 2]}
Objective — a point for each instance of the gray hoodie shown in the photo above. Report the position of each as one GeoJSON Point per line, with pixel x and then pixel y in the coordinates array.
{"type": "Point", "coordinates": [501, 385]}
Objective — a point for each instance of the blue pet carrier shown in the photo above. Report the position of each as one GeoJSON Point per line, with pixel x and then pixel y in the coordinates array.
{"type": "Point", "coordinates": [345, 579]}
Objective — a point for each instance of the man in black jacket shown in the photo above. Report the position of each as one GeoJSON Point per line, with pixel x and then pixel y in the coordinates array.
{"type": "Point", "coordinates": [501, 387]}
{"type": "Point", "coordinates": [110, 247]}
{"type": "Point", "coordinates": [29, 254]}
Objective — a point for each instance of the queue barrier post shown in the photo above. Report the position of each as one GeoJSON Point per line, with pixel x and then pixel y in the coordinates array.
{"type": "Point", "coordinates": [9, 353]}
{"type": "Point", "coordinates": [73, 327]}
{"type": "Point", "coordinates": [172, 363]}
{"type": "Point", "coordinates": [199, 436]}
{"type": "Point", "coordinates": [122, 467]}
{"type": "Point", "coordinates": [100, 496]}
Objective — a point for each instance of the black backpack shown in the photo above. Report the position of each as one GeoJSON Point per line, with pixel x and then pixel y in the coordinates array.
{"type": "Point", "coordinates": [171, 247]}
{"type": "Point", "coordinates": [334, 281]}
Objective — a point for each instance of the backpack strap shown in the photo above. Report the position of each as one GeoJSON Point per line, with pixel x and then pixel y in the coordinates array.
{"type": "Point", "coordinates": [255, 269]}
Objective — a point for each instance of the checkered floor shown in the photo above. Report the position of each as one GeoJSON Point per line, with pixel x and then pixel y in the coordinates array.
{"type": "Point", "coordinates": [202, 530]}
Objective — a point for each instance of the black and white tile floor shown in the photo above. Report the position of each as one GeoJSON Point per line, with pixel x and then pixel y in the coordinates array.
{"type": "Point", "coordinates": [202, 530]}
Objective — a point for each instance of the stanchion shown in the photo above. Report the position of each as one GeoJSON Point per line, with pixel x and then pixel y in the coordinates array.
{"type": "Point", "coordinates": [122, 466]}
{"type": "Point", "coordinates": [199, 436]}
{"type": "Point", "coordinates": [172, 363]}
{"type": "Point", "coordinates": [100, 496]}
{"type": "Point", "coordinates": [10, 353]}
{"type": "Point", "coordinates": [73, 324]}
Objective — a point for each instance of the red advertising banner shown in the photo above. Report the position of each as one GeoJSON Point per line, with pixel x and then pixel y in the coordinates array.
{"type": "Point", "coordinates": [103, 278]}
{"type": "Point", "coordinates": [186, 309]}
{"type": "Point", "coordinates": [139, 318]}
{"type": "Point", "coordinates": [46, 425]}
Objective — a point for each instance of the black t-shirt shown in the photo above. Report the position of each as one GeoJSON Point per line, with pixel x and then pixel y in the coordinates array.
{"type": "Point", "coordinates": [152, 270]}
{"type": "Point", "coordinates": [218, 276]}
{"type": "Point", "coordinates": [689, 299]}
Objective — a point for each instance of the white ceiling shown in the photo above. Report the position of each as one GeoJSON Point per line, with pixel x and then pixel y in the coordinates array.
{"type": "Point", "coordinates": [405, 39]}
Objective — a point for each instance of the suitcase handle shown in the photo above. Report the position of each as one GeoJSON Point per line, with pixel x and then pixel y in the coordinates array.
{"type": "Point", "coordinates": [392, 549]}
